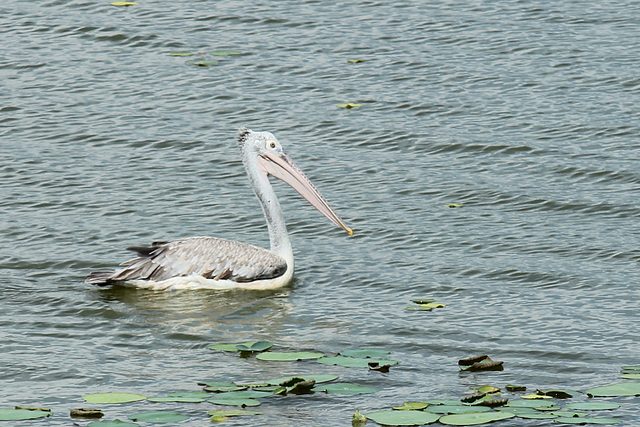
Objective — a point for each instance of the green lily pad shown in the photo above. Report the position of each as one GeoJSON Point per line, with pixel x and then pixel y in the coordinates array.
{"type": "Point", "coordinates": [232, 412]}
{"type": "Point", "coordinates": [114, 423]}
{"type": "Point", "coordinates": [569, 414]}
{"type": "Point", "coordinates": [225, 53]}
{"type": "Point", "coordinates": [345, 388]}
{"type": "Point", "coordinates": [443, 402]}
{"type": "Point", "coordinates": [411, 406]}
{"type": "Point", "coordinates": [537, 415]}
{"type": "Point", "coordinates": [288, 356]}
{"type": "Point", "coordinates": [354, 362]}
{"type": "Point", "coordinates": [422, 307]}
{"type": "Point", "coordinates": [236, 402]}
{"type": "Point", "coordinates": [158, 417]}
{"type": "Point", "coordinates": [365, 352]}
{"type": "Point", "coordinates": [355, 61]}
{"type": "Point", "coordinates": [318, 378]}
{"type": "Point", "coordinates": [592, 406]}
{"type": "Point", "coordinates": [403, 418]}
{"type": "Point", "coordinates": [423, 300]}
{"type": "Point", "coordinates": [183, 397]}
{"type": "Point", "coordinates": [587, 420]}
{"type": "Point", "coordinates": [535, 397]}
{"type": "Point", "coordinates": [221, 386]}
{"type": "Point", "coordinates": [181, 54]}
{"type": "Point", "coordinates": [255, 346]}
{"type": "Point", "coordinates": [512, 387]}
{"type": "Point", "coordinates": [518, 410]}
{"type": "Point", "coordinates": [475, 418]}
{"type": "Point", "coordinates": [620, 389]}
{"type": "Point", "coordinates": [12, 414]}
{"type": "Point", "coordinates": [453, 205]}
{"type": "Point", "coordinates": [243, 394]}
{"type": "Point", "coordinates": [105, 398]}
{"type": "Point", "coordinates": [349, 105]}
{"type": "Point", "coordinates": [123, 3]}
{"type": "Point", "coordinates": [456, 409]}
{"type": "Point", "coordinates": [530, 403]}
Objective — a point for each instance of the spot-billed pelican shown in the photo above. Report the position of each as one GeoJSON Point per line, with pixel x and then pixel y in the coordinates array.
{"type": "Point", "coordinates": [214, 263]}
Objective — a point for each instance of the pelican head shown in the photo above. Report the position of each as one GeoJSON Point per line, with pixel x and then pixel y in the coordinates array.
{"type": "Point", "coordinates": [263, 152]}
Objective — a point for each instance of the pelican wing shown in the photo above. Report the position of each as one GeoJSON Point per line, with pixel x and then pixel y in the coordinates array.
{"type": "Point", "coordinates": [209, 257]}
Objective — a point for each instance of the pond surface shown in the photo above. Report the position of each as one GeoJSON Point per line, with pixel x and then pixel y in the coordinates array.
{"type": "Point", "coordinates": [526, 114]}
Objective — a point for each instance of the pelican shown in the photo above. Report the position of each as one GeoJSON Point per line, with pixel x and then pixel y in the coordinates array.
{"type": "Point", "coordinates": [215, 263]}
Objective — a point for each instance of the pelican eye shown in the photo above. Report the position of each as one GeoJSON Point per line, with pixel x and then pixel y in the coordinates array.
{"type": "Point", "coordinates": [272, 144]}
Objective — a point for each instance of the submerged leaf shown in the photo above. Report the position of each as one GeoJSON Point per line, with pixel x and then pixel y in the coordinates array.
{"type": "Point", "coordinates": [403, 418]}
{"type": "Point", "coordinates": [225, 52]}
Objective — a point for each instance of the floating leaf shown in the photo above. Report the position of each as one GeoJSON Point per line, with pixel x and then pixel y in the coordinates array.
{"type": "Point", "coordinates": [221, 386]}
{"type": "Point", "coordinates": [236, 402]}
{"type": "Point", "coordinates": [530, 403]}
{"type": "Point", "coordinates": [181, 54]}
{"type": "Point", "coordinates": [419, 308]}
{"type": "Point", "coordinates": [480, 363]}
{"type": "Point", "coordinates": [288, 356]}
{"type": "Point", "coordinates": [535, 396]}
{"type": "Point", "coordinates": [105, 398]}
{"type": "Point", "coordinates": [587, 420]}
{"type": "Point", "coordinates": [558, 394]}
{"type": "Point", "coordinates": [423, 301]}
{"type": "Point", "coordinates": [443, 402]}
{"type": "Point", "coordinates": [12, 414]}
{"type": "Point", "coordinates": [537, 415]}
{"type": "Point", "coordinates": [631, 368]}
{"type": "Point", "coordinates": [86, 413]}
{"type": "Point", "coordinates": [474, 418]}
{"type": "Point", "coordinates": [255, 346]}
{"type": "Point", "coordinates": [354, 362]}
{"type": "Point", "coordinates": [202, 62]}
{"type": "Point", "coordinates": [365, 352]}
{"type": "Point", "coordinates": [411, 406]}
{"type": "Point", "coordinates": [511, 387]}
{"type": "Point", "coordinates": [355, 61]}
{"type": "Point", "coordinates": [345, 388]}
{"type": "Point", "coordinates": [244, 394]}
{"type": "Point", "coordinates": [318, 378]}
{"type": "Point", "coordinates": [453, 205]}
{"type": "Point", "coordinates": [403, 418]}
{"type": "Point", "coordinates": [592, 406]}
{"type": "Point", "coordinates": [349, 105]}
{"type": "Point", "coordinates": [489, 389]}
{"type": "Point", "coordinates": [225, 52]}
{"type": "Point", "coordinates": [158, 417]}
{"type": "Point", "coordinates": [233, 412]}
{"type": "Point", "coordinates": [456, 409]}
{"type": "Point", "coordinates": [358, 420]}
{"type": "Point", "coordinates": [114, 423]}
{"type": "Point", "coordinates": [619, 389]}
{"type": "Point", "coordinates": [123, 3]}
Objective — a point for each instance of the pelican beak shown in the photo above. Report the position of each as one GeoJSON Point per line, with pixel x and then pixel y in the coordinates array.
{"type": "Point", "coordinates": [282, 167]}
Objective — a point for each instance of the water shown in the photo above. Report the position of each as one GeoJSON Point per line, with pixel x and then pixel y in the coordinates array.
{"type": "Point", "coordinates": [524, 113]}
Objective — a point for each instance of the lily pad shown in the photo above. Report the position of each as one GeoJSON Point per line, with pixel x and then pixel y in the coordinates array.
{"type": "Point", "coordinates": [355, 61]}
{"type": "Point", "coordinates": [106, 398]}
{"type": "Point", "coordinates": [225, 52]}
{"type": "Point", "coordinates": [631, 376]}
{"type": "Point", "coordinates": [349, 105]}
{"type": "Point", "coordinates": [123, 3]}
{"type": "Point", "coordinates": [411, 406]}
{"type": "Point", "coordinates": [221, 386]}
{"type": "Point", "coordinates": [202, 62]}
{"type": "Point", "coordinates": [480, 363]}
{"type": "Point", "coordinates": [354, 362]}
{"type": "Point", "coordinates": [114, 423]}
{"type": "Point", "coordinates": [288, 356]}
{"type": "Point", "coordinates": [423, 300]}
{"type": "Point", "coordinates": [453, 205]}
{"type": "Point", "coordinates": [474, 418]}
{"type": "Point", "coordinates": [512, 387]}
{"type": "Point", "coordinates": [456, 409]}
{"type": "Point", "coordinates": [181, 54]}
{"type": "Point", "coordinates": [345, 388]}
{"type": "Point", "coordinates": [530, 403]}
{"type": "Point", "coordinates": [255, 346]}
{"type": "Point", "coordinates": [592, 406]}
{"type": "Point", "coordinates": [535, 396]}
{"type": "Point", "coordinates": [158, 417]}
{"type": "Point", "coordinates": [587, 420]}
{"type": "Point", "coordinates": [403, 418]}
{"type": "Point", "coordinates": [12, 414]}
{"type": "Point", "coordinates": [243, 394]}
{"type": "Point", "coordinates": [318, 378]}
{"type": "Point", "coordinates": [537, 415]}
{"type": "Point", "coordinates": [620, 389]}
{"type": "Point", "coordinates": [233, 412]}
{"type": "Point", "coordinates": [365, 352]}
{"type": "Point", "coordinates": [236, 402]}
